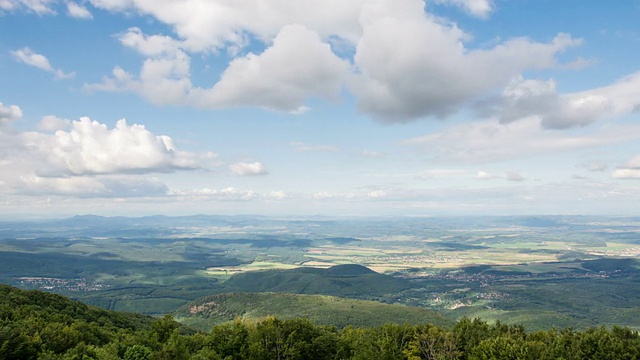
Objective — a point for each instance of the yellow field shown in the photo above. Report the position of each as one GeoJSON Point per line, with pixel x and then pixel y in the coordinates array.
{"type": "Point", "coordinates": [257, 265]}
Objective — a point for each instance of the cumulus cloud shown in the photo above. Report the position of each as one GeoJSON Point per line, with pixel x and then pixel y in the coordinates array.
{"type": "Point", "coordinates": [28, 57]}
{"type": "Point", "coordinates": [413, 65]}
{"type": "Point", "coordinates": [298, 65]}
{"type": "Point", "coordinates": [525, 98]}
{"type": "Point", "coordinates": [491, 141]}
{"type": "Point", "coordinates": [248, 169]}
{"type": "Point", "coordinates": [52, 123]}
{"type": "Point", "coordinates": [149, 45]}
{"type": "Point", "coordinates": [85, 158]}
{"type": "Point", "coordinates": [407, 64]}
{"type": "Point", "coordinates": [477, 8]}
{"type": "Point", "coordinates": [9, 113]}
{"type": "Point", "coordinates": [207, 25]}
{"type": "Point", "coordinates": [89, 147]}
{"type": "Point", "coordinates": [78, 11]}
{"type": "Point", "coordinates": [162, 80]}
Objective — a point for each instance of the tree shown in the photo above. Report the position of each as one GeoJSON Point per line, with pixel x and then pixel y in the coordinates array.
{"type": "Point", "coordinates": [163, 328]}
{"type": "Point", "coordinates": [230, 340]}
{"type": "Point", "coordinates": [432, 343]}
{"type": "Point", "coordinates": [138, 352]}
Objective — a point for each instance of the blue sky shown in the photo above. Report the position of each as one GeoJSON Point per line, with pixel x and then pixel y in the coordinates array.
{"type": "Point", "coordinates": [308, 107]}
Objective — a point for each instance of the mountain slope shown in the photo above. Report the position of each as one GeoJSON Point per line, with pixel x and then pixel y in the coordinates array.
{"type": "Point", "coordinates": [353, 281]}
{"type": "Point", "coordinates": [206, 312]}
{"type": "Point", "coordinates": [23, 304]}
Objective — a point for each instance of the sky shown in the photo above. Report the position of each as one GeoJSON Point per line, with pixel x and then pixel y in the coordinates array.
{"type": "Point", "coordinates": [319, 107]}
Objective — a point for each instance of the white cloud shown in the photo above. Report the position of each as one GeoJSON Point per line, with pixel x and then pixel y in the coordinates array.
{"type": "Point", "coordinates": [297, 66]}
{"type": "Point", "coordinates": [413, 65]}
{"type": "Point", "coordinates": [9, 113]}
{"type": "Point", "coordinates": [248, 169]}
{"type": "Point", "coordinates": [52, 123]}
{"type": "Point", "coordinates": [491, 141]}
{"type": "Point", "coordinates": [78, 11]}
{"type": "Point", "coordinates": [483, 175]}
{"type": "Point", "coordinates": [207, 25]}
{"type": "Point", "coordinates": [154, 45]}
{"type": "Point", "coordinates": [91, 148]}
{"type": "Point", "coordinates": [162, 80]}
{"type": "Point", "coordinates": [626, 174]}
{"type": "Point", "coordinates": [407, 65]}
{"type": "Point", "coordinates": [85, 158]}
{"type": "Point", "coordinates": [27, 56]}
{"type": "Point", "coordinates": [376, 194]}
{"type": "Point", "coordinates": [514, 175]}
{"type": "Point", "coordinates": [40, 7]}
{"type": "Point", "coordinates": [524, 98]}
{"type": "Point", "coordinates": [477, 8]}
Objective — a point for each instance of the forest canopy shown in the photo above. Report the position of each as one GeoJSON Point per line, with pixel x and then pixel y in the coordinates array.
{"type": "Point", "coordinates": [39, 325]}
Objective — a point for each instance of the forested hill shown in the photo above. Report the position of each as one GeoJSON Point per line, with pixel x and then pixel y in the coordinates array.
{"type": "Point", "coordinates": [354, 281]}
{"type": "Point", "coordinates": [206, 312]}
{"type": "Point", "coordinates": [33, 306]}
{"type": "Point", "coordinates": [37, 325]}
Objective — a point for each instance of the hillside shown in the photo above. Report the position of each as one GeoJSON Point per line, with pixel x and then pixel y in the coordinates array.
{"type": "Point", "coordinates": [28, 305]}
{"type": "Point", "coordinates": [206, 312]}
{"type": "Point", "coordinates": [353, 281]}
{"type": "Point", "coordinates": [38, 325]}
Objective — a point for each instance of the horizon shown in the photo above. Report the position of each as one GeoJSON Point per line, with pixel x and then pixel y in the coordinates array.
{"type": "Point", "coordinates": [382, 108]}
{"type": "Point", "coordinates": [312, 217]}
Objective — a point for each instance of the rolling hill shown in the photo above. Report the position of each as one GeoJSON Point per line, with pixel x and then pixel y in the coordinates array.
{"type": "Point", "coordinates": [353, 281]}
{"type": "Point", "coordinates": [206, 312]}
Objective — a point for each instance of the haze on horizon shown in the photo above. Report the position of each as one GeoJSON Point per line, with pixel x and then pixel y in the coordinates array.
{"type": "Point", "coordinates": [362, 107]}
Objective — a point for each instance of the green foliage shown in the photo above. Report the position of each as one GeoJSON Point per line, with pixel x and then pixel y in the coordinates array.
{"type": "Point", "coordinates": [163, 328]}
{"type": "Point", "coordinates": [353, 281]}
{"type": "Point", "coordinates": [326, 310]}
{"type": "Point", "coordinates": [43, 326]}
{"type": "Point", "coordinates": [432, 343]}
{"type": "Point", "coordinates": [230, 340]}
{"type": "Point", "coordinates": [137, 352]}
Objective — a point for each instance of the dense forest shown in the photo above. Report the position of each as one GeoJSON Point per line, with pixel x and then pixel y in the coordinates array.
{"type": "Point", "coordinates": [39, 325]}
